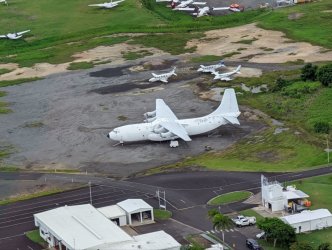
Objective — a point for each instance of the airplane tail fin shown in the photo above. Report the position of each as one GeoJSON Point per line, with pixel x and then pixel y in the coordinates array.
{"type": "Point", "coordinates": [173, 71]}
{"type": "Point", "coordinates": [238, 69]}
{"type": "Point", "coordinates": [228, 107]}
{"type": "Point", "coordinates": [222, 63]}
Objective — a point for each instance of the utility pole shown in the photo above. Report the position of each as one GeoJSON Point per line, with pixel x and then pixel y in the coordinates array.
{"type": "Point", "coordinates": [90, 192]}
{"type": "Point", "coordinates": [328, 149]}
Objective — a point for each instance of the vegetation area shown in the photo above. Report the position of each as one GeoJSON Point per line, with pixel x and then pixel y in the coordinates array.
{"type": "Point", "coordinates": [80, 65]}
{"type": "Point", "coordinates": [35, 237]}
{"type": "Point", "coordinates": [4, 71]}
{"type": "Point", "coordinates": [133, 55]}
{"type": "Point", "coordinates": [206, 58]}
{"type": "Point", "coordinates": [162, 214]}
{"type": "Point", "coordinates": [230, 197]}
{"type": "Point", "coordinates": [17, 81]}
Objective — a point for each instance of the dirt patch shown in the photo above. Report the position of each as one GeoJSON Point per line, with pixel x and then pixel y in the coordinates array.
{"type": "Point", "coordinates": [295, 16]}
{"type": "Point", "coordinates": [225, 41]}
{"type": "Point", "coordinates": [109, 54]}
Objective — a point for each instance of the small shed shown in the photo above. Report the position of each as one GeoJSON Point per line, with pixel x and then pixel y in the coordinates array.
{"type": "Point", "coordinates": [137, 211]}
{"type": "Point", "coordinates": [309, 220]}
{"type": "Point", "coordinates": [115, 214]}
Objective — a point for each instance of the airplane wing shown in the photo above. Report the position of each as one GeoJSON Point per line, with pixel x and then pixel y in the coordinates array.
{"type": "Point", "coordinates": [154, 75]}
{"type": "Point", "coordinates": [176, 129]}
{"type": "Point", "coordinates": [3, 36]}
{"type": "Point", "coordinates": [199, 3]}
{"type": "Point", "coordinates": [163, 111]}
{"type": "Point", "coordinates": [232, 120]}
{"type": "Point", "coordinates": [186, 9]}
{"type": "Point", "coordinates": [225, 78]}
{"type": "Point", "coordinates": [22, 32]}
{"type": "Point", "coordinates": [164, 80]}
{"type": "Point", "coordinates": [220, 8]}
{"type": "Point", "coordinates": [97, 5]}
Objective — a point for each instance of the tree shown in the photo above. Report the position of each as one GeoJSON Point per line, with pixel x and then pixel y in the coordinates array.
{"type": "Point", "coordinates": [309, 72]}
{"type": "Point", "coordinates": [280, 83]}
{"type": "Point", "coordinates": [301, 246]}
{"type": "Point", "coordinates": [324, 246]}
{"type": "Point", "coordinates": [322, 127]}
{"type": "Point", "coordinates": [222, 222]}
{"type": "Point", "coordinates": [324, 75]}
{"type": "Point", "coordinates": [278, 231]}
{"type": "Point", "coordinates": [212, 213]}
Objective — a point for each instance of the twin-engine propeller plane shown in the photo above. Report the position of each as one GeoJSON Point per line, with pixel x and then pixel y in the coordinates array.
{"type": "Point", "coordinates": [107, 5]}
{"type": "Point", "coordinates": [14, 36]}
{"type": "Point", "coordinates": [199, 12]}
{"type": "Point", "coordinates": [211, 68]}
{"type": "Point", "coordinates": [162, 77]}
{"type": "Point", "coordinates": [226, 76]}
{"type": "Point", "coordinates": [176, 5]}
{"type": "Point", "coordinates": [162, 124]}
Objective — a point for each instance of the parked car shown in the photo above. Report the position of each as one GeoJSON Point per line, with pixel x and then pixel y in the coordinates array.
{"type": "Point", "coordinates": [242, 221]}
{"type": "Point", "coordinates": [252, 244]}
{"type": "Point", "coordinates": [260, 235]}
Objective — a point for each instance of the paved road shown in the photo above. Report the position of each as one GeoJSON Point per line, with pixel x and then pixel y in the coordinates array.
{"type": "Point", "coordinates": [187, 194]}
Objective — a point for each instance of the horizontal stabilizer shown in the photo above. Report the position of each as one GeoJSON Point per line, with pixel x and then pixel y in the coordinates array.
{"type": "Point", "coordinates": [232, 120]}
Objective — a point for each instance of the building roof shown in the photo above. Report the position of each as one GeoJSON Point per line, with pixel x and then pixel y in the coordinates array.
{"type": "Point", "coordinates": [306, 216]}
{"type": "Point", "coordinates": [113, 211]}
{"type": "Point", "coordinates": [81, 226]}
{"type": "Point", "coordinates": [133, 205]}
{"type": "Point", "coordinates": [294, 194]}
{"type": "Point", "coordinates": [151, 241]}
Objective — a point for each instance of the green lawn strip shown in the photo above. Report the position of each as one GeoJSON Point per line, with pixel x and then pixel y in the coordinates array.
{"type": "Point", "coordinates": [8, 168]}
{"type": "Point", "coordinates": [34, 195]}
{"type": "Point", "coordinates": [314, 25]}
{"type": "Point", "coordinates": [133, 55]}
{"type": "Point", "coordinates": [18, 81]}
{"type": "Point", "coordinates": [252, 213]}
{"type": "Point", "coordinates": [206, 58]}
{"type": "Point", "coordinates": [80, 65]}
{"type": "Point", "coordinates": [5, 71]}
{"type": "Point", "coordinates": [230, 197]}
{"type": "Point", "coordinates": [35, 237]}
{"type": "Point", "coordinates": [162, 214]}
{"type": "Point", "coordinates": [267, 245]}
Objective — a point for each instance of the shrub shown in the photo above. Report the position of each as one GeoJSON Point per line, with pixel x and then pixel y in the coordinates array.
{"type": "Point", "coordinates": [301, 246]}
{"type": "Point", "coordinates": [324, 75]}
{"type": "Point", "coordinates": [322, 127]}
{"type": "Point", "coordinates": [280, 83]}
{"type": "Point", "coordinates": [309, 72]}
{"type": "Point", "coordinates": [298, 89]}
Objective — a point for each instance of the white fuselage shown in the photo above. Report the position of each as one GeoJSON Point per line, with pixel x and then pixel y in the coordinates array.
{"type": "Point", "coordinates": [203, 11]}
{"type": "Point", "coordinates": [151, 131]}
{"type": "Point", "coordinates": [210, 68]}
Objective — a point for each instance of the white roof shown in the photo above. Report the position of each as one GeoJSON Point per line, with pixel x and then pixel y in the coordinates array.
{"type": "Point", "coordinates": [132, 205]}
{"type": "Point", "coordinates": [306, 216]}
{"type": "Point", "coordinates": [295, 194]}
{"type": "Point", "coordinates": [81, 226]}
{"type": "Point", "coordinates": [113, 211]}
{"type": "Point", "coordinates": [151, 241]}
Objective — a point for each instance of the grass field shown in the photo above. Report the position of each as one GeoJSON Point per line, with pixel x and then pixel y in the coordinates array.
{"type": "Point", "coordinates": [35, 237]}
{"type": "Point", "coordinates": [80, 65]}
{"type": "Point", "coordinates": [229, 198]}
{"type": "Point", "coordinates": [162, 214]}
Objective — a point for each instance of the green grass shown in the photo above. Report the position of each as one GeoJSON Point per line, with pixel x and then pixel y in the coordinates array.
{"type": "Point", "coordinates": [17, 81]}
{"type": "Point", "coordinates": [6, 168]}
{"type": "Point", "coordinates": [315, 26]}
{"type": "Point", "coordinates": [162, 214]}
{"type": "Point", "coordinates": [5, 151]}
{"type": "Point", "coordinates": [230, 197]}
{"type": "Point", "coordinates": [35, 237]}
{"type": "Point", "coordinates": [5, 71]}
{"type": "Point", "coordinates": [317, 237]}
{"type": "Point", "coordinates": [133, 55]}
{"type": "Point", "coordinates": [251, 213]}
{"type": "Point", "coordinates": [80, 65]}
{"type": "Point", "coordinates": [206, 58]}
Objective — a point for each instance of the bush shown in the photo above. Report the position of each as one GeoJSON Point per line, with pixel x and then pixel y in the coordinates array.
{"type": "Point", "coordinates": [322, 127]}
{"type": "Point", "coordinates": [309, 72]}
{"type": "Point", "coordinates": [301, 246]}
{"type": "Point", "coordinates": [280, 83]}
{"type": "Point", "coordinates": [324, 75]}
{"type": "Point", "coordinates": [299, 89]}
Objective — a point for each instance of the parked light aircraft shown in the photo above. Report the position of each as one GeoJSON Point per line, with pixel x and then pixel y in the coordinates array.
{"type": "Point", "coordinates": [107, 5]}
{"type": "Point", "coordinates": [4, 1]}
{"type": "Point", "coordinates": [14, 36]}
{"type": "Point", "coordinates": [211, 68]}
{"type": "Point", "coordinates": [226, 76]}
{"type": "Point", "coordinates": [162, 77]}
{"type": "Point", "coordinates": [199, 12]}
{"type": "Point", "coordinates": [176, 5]}
{"type": "Point", "coordinates": [162, 124]}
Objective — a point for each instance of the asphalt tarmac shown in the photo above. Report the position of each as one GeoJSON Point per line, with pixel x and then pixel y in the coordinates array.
{"type": "Point", "coordinates": [186, 193]}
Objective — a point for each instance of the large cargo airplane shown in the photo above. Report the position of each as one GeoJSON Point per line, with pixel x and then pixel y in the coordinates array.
{"type": "Point", "coordinates": [163, 125]}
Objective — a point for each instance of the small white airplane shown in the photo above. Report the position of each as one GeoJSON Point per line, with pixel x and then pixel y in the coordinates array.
{"type": "Point", "coordinates": [199, 12]}
{"type": "Point", "coordinates": [14, 36]}
{"type": "Point", "coordinates": [211, 68]}
{"type": "Point", "coordinates": [176, 5]}
{"type": "Point", "coordinates": [107, 5]}
{"type": "Point", "coordinates": [4, 1]}
{"type": "Point", "coordinates": [162, 124]}
{"type": "Point", "coordinates": [163, 77]}
{"type": "Point", "coordinates": [226, 76]}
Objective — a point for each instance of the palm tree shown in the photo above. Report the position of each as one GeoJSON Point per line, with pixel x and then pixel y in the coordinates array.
{"type": "Point", "coordinates": [212, 213]}
{"type": "Point", "coordinates": [222, 222]}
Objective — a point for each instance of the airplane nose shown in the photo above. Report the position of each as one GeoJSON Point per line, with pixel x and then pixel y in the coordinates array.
{"type": "Point", "coordinates": [108, 135]}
